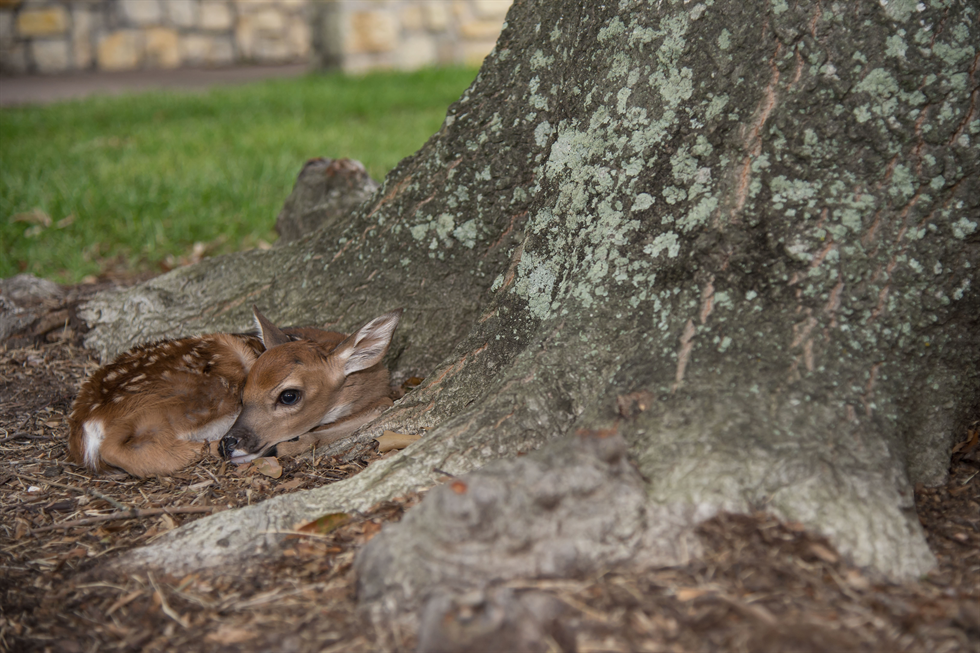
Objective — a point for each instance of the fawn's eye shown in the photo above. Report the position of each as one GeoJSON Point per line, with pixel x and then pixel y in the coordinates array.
{"type": "Point", "coordinates": [288, 397]}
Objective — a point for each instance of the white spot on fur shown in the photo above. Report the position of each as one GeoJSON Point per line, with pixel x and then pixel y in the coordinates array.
{"type": "Point", "coordinates": [93, 433]}
{"type": "Point", "coordinates": [336, 413]}
{"type": "Point", "coordinates": [214, 430]}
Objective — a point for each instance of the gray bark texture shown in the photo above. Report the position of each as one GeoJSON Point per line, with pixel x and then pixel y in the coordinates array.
{"type": "Point", "coordinates": [326, 192]}
{"type": "Point", "coordinates": [739, 235]}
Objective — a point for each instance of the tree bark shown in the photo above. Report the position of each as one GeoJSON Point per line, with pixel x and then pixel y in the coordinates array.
{"type": "Point", "coordinates": [740, 235]}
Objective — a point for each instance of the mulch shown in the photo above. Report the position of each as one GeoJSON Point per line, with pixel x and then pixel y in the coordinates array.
{"type": "Point", "coordinates": [762, 585]}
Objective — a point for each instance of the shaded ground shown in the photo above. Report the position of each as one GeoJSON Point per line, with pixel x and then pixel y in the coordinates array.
{"type": "Point", "coordinates": [761, 586]}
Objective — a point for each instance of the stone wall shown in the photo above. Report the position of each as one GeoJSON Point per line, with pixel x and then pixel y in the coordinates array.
{"type": "Point", "coordinates": [358, 35]}
{"type": "Point", "coordinates": [47, 36]}
{"type": "Point", "coordinates": [50, 36]}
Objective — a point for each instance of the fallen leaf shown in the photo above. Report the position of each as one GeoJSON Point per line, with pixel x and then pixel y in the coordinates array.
{"type": "Point", "coordinates": [268, 467]}
{"type": "Point", "coordinates": [370, 530]}
{"type": "Point", "coordinates": [77, 552]}
{"type": "Point", "coordinates": [325, 524]}
{"type": "Point", "coordinates": [972, 439]}
{"type": "Point", "coordinates": [856, 580]}
{"type": "Point", "coordinates": [34, 216]}
{"type": "Point", "coordinates": [226, 635]}
{"type": "Point", "coordinates": [822, 552]}
{"type": "Point", "coordinates": [689, 593]}
{"type": "Point", "coordinates": [202, 484]}
{"type": "Point", "coordinates": [291, 485]}
{"type": "Point", "coordinates": [168, 523]}
{"type": "Point", "coordinates": [391, 440]}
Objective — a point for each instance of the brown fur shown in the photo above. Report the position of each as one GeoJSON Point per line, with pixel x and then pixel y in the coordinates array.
{"type": "Point", "coordinates": [159, 403]}
{"type": "Point", "coordinates": [338, 387]}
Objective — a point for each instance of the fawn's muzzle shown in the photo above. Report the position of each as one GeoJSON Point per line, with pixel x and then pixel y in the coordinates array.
{"type": "Point", "coordinates": [227, 446]}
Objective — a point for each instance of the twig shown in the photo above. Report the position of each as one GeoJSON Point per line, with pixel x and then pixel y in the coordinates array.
{"type": "Point", "coordinates": [85, 490]}
{"type": "Point", "coordinates": [20, 435]}
{"type": "Point", "coordinates": [126, 514]}
{"type": "Point", "coordinates": [443, 472]}
{"type": "Point", "coordinates": [167, 610]}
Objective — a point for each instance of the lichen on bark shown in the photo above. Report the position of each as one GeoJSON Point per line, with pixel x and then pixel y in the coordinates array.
{"type": "Point", "coordinates": [758, 217]}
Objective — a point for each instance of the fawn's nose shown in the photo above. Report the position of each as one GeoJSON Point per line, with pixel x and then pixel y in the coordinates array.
{"type": "Point", "coordinates": [227, 446]}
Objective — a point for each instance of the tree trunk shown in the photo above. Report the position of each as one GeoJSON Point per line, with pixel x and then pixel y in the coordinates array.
{"type": "Point", "coordinates": [740, 235]}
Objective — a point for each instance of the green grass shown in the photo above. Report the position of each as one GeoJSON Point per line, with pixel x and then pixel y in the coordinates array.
{"type": "Point", "coordinates": [130, 180]}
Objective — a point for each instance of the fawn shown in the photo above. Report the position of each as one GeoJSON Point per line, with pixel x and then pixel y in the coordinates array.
{"type": "Point", "coordinates": [156, 408]}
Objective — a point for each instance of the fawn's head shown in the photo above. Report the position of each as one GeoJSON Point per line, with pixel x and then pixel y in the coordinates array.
{"type": "Point", "coordinates": [298, 385]}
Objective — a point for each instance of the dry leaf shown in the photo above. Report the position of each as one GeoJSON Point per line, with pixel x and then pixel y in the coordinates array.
{"type": "Point", "coordinates": [391, 440]}
{"type": "Point", "coordinates": [226, 634]}
{"type": "Point", "coordinates": [822, 552]}
{"type": "Point", "coordinates": [34, 216]}
{"type": "Point", "coordinates": [291, 485]}
{"type": "Point", "coordinates": [325, 524]}
{"type": "Point", "coordinates": [167, 522]}
{"type": "Point", "coordinates": [689, 593]}
{"type": "Point", "coordinates": [972, 438]}
{"type": "Point", "coordinates": [856, 580]}
{"type": "Point", "coordinates": [268, 467]}
{"type": "Point", "coordinates": [123, 601]}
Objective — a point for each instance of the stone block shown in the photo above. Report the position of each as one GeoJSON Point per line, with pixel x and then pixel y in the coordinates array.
{"type": "Point", "coordinates": [216, 15]}
{"type": "Point", "coordinates": [373, 31]}
{"type": "Point", "coordinates": [417, 52]}
{"type": "Point", "coordinates": [13, 59]}
{"type": "Point", "coordinates": [436, 16]}
{"type": "Point", "coordinates": [412, 18]}
{"type": "Point", "coordinates": [491, 8]}
{"type": "Point", "coordinates": [120, 50]}
{"type": "Point", "coordinates": [183, 13]}
{"type": "Point", "coordinates": [249, 6]}
{"type": "Point", "coordinates": [246, 34]}
{"type": "Point", "coordinates": [6, 29]}
{"type": "Point", "coordinates": [222, 52]}
{"type": "Point", "coordinates": [199, 50]}
{"type": "Point", "coordinates": [271, 50]}
{"type": "Point", "coordinates": [162, 48]}
{"type": "Point", "coordinates": [51, 55]}
{"type": "Point", "coordinates": [300, 38]}
{"type": "Point", "coordinates": [141, 12]}
{"type": "Point", "coordinates": [269, 20]}
{"type": "Point", "coordinates": [480, 30]}
{"type": "Point", "coordinates": [42, 22]}
{"type": "Point", "coordinates": [474, 52]}
{"type": "Point", "coordinates": [82, 24]}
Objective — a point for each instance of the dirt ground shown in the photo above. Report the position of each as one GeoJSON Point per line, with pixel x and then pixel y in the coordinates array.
{"type": "Point", "coordinates": [762, 585]}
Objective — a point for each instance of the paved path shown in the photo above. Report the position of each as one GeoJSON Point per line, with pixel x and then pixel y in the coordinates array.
{"type": "Point", "coordinates": [43, 89]}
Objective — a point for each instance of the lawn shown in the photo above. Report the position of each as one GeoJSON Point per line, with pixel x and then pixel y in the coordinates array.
{"type": "Point", "coordinates": [130, 181]}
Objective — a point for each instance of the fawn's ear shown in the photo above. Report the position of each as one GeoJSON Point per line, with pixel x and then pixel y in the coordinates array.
{"type": "Point", "coordinates": [367, 347]}
{"type": "Point", "coordinates": [269, 333]}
